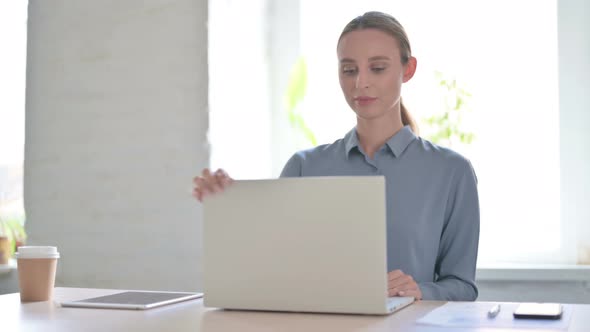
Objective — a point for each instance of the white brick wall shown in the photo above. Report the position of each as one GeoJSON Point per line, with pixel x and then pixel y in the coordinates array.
{"type": "Point", "coordinates": [116, 122]}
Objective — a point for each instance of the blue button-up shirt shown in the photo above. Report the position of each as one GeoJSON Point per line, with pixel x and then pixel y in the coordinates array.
{"type": "Point", "coordinates": [432, 206]}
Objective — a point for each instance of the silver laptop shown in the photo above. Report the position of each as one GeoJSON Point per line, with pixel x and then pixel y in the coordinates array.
{"type": "Point", "coordinates": [314, 244]}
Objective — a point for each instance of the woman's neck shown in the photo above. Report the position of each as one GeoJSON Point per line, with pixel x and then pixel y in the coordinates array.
{"type": "Point", "coordinates": [373, 133]}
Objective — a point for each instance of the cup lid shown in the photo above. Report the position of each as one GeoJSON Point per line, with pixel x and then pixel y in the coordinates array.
{"type": "Point", "coordinates": [36, 252]}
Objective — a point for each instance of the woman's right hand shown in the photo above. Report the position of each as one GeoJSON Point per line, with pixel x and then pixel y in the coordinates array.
{"type": "Point", "coordinates": [210, 183]}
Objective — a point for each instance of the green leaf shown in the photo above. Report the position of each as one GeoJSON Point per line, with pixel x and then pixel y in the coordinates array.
{"type": "Point", "coordinates": [447, 124]}
{"type": "Point", "coordinates": [14, 230]}
{"type": "Point", "coordinates": [295, 93]}
{"type": "Point", "coordinates": [297, 85]}
{"type": "Point", "coordinates": [459, 104]}
{"type": "Point", "coordinates": [310, 136]}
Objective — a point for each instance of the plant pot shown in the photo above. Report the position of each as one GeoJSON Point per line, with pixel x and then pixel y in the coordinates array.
{"type": "Point", "coordinates": [5, 251]}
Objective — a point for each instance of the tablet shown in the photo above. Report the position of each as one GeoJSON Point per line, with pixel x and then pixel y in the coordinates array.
{"type": "Point", "coordinates": [139, 300]}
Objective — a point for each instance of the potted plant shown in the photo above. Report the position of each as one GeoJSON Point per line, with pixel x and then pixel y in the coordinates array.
{"type": "Point", "coordinates": [446, 127]}
{"type": "Point", "coordinates": [12, 235]}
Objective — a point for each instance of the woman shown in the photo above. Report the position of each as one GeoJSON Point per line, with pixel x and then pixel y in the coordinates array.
{"type": "Point", "coordinates": [432, 199]}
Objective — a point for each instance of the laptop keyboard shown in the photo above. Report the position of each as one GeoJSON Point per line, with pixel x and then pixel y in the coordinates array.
{"type": "Point", "coordinates": [396, 302]}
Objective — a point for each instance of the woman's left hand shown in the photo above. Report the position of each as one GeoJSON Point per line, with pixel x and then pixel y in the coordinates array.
{"type": "Point", "coordinates": [401, 284]}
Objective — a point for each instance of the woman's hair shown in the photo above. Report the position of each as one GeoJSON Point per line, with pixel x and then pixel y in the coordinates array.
{"type": "Point", "coordinates": [389, 25]}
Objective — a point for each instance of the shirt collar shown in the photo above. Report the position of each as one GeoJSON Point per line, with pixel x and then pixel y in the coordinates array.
{"type": "Point", "coordinates": [351, 141]}
{"type": "Point", "coordinates": [397, 143]}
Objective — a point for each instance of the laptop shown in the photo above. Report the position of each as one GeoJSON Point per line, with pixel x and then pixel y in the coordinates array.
{"type": "Point", "coordinates": [315, 244]}
{"type": "Point", "coordinates": [138, 300]}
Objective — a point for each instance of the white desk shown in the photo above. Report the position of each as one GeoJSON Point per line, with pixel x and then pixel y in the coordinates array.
{"type": "Point", "coordinates": [192, 316]}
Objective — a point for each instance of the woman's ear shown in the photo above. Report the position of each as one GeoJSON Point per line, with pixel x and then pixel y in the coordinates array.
{"type": "Point", "coordinates": [410, 69]}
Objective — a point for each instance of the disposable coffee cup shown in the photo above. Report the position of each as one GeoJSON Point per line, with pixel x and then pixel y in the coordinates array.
{"type": "Point", "coordinates": [36, 272]}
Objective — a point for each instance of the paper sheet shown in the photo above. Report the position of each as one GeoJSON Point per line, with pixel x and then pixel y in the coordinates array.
{"type": "Point", "coordinates": [472, 314]}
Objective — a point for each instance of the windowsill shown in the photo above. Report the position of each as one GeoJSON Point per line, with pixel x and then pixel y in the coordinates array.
{"type": "Point", "coordinates": [7, 268]}
{"type": "Point", "coordinates": [499, 272]}
{"type": "Point", "coordinates": [533, 272]}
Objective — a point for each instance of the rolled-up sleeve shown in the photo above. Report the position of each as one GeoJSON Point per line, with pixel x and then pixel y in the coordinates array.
{"type": "Point", "coordinates": [457, 256]}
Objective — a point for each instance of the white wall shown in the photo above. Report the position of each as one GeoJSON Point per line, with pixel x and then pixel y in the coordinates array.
{"type": "Point", "coordinates": [116, 121]}
{"type": "Point", "coordinates": [574, 92]}
{"type": "Point", "coordinates": [535, 291]}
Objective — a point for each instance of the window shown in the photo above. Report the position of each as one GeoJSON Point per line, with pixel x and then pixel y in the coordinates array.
{"type": "Point", "coordinates": [240, 117]}
{"type": "Point", "coordinates": [13, 36]}
{"type": "Point", "coordinates": [516, 141]}
{"type": "Point", "coordinates": [503, 53]}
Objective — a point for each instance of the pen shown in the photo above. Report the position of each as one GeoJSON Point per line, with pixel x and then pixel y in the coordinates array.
{"type": "Point", "coordinates": [494, 311]}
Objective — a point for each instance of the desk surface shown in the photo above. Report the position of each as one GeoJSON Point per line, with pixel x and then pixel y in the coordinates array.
{"type": "Point", "coordinates": [192, 316]}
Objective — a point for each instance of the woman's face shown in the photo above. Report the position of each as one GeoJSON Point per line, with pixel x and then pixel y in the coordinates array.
{"type": "Point", "coordinates": [371, 72]}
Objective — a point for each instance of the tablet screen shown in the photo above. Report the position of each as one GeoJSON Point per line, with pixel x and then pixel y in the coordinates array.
{"type": "Point", "coordinates": [134, 299]}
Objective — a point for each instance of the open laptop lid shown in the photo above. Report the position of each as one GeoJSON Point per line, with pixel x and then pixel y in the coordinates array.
{"type": "Point", "coordinates": [313, 244]}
